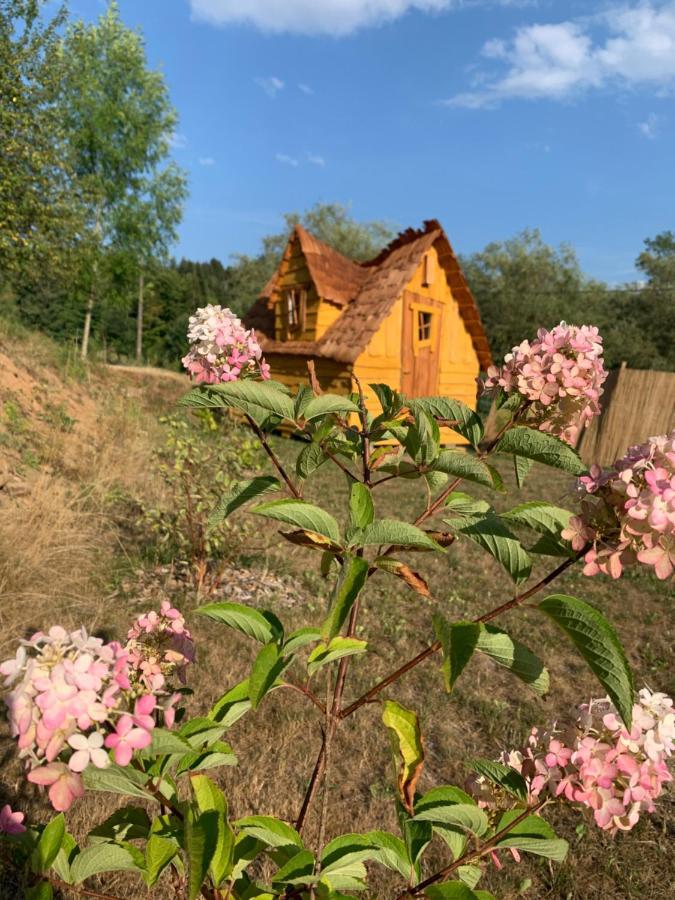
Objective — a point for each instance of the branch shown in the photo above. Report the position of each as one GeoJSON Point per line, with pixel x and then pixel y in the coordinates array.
{"type": "Point", "coordinates": [272, 455]}
{"type": "Point", "coordinates": [365, 445]}
{"type": "Point", "coordinates": [479, 852]}
{"type": "Point", "coordinates": [436, 646]}
{"type": "Point", "coordinates": [301, 689]}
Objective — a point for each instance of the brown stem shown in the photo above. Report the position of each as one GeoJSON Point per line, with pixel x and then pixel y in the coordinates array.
{"type": "Point", "coordinates": [305, 691]}
{"type": "Point", "coordinates": [365, 443]}
{"type": "Point", "coordinates": [438, 502]}
{"type": "Point", "coordinates": [436, 646]}
{"type": "Point", "coordinates": [314, 782]}
{"type": "Point", "coordinates": [472, 855]}
{"type": "Point", "coordinates": [272, 455]}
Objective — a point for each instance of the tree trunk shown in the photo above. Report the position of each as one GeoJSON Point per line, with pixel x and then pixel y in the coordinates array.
{"type": "Point", "coordinates": [139, 319]}
{"type": "Point", "coordinates": [87, 322]}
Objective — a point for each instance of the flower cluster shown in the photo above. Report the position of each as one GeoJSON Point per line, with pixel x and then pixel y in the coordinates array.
{"type": "Point", "coordinates": [559, 376]}
{"type": "Point", "coordinates": [600, 764]}
{"type": "Point", "coordinates": [73, 696]}
{"type": "Point", "coordinates": [221, 348]}
{"type": "Point", "coordinates": [11, 821]}
{"type": "Point", "coordinates": [628, 511]}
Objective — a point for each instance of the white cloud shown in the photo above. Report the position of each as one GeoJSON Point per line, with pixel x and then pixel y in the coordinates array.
{"type": "Point", "coordinates": [627, 46]}
{"type": "Point", "coordinates": [335, 17]}
{"type": "Point", "coordinates": [271, 85]}
{"type": "Point", "coordinates": [316, 160]}
{"type": "Point", "coordinates": [286, 159]}
{"type": "Point", "coordinates": [206, 161]}
{"type": "Point", "coordinates": [177, 141]}
{"type": "Point", "coordinates": [650, 127]}
{"type": "Point", "coordinates": [305, 88]}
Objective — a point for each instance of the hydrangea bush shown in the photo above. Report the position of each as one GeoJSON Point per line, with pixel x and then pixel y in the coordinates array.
{"type": "Point", "coordinates": [95, 716]}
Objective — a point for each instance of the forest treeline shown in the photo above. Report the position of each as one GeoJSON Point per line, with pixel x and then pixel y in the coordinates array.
{"type": "Point", "coordinates": [90, 202]}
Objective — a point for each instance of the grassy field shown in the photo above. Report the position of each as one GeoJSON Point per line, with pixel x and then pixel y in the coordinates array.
{"type": "Point", "coordinates": [78, 455]}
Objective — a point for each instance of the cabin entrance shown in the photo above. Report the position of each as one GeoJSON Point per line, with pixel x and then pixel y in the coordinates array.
{"type": "Point", "coordinates": [420, 346]}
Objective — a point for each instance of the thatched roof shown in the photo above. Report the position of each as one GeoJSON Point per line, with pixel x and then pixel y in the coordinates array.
{"type": "Point", "coordinates": [368, 291]}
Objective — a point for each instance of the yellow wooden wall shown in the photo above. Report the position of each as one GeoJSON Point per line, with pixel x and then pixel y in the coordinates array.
{"type": "Point", "coordinates": [319, 314]}
{"type": "Point", "coordinates": [291, 370]}
{"type": "Point", "coordinates": [459, 367]}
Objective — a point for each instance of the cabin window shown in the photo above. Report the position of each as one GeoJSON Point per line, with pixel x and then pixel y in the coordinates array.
{"type": "Point", "coordinates": [424, 327]}
{"type": "Point", "coordinates": [295, 309]}
{"type": "Point", "coordinates": [427, 269]}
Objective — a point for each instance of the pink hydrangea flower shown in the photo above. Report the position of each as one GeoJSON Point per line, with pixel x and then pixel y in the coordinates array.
{"type": "Point", "coordinates": [11, 821]}
{"type": "Point", "coordinates": [599, 764]}
{"type": "Point", "coordinates": [222, 349]}
{"type": "Point", "coordinates": [64, 786]}
{"type": "Point", "coordinates": [628, 512]}
{"type": "Point", "coordinates": [126, 739]}
{"type": "Point", "coordinates": [559, 376]}
{"type": "Point", "coordinates": [72, 695]}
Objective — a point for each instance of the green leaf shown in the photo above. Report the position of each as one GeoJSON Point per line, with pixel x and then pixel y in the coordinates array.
{"type": "Point", "coordinates": [310, 458]}
{"type": "Point", "coordinates": [444, 795]}
{"type": "Point", "coordinates": [64, 858]}
{"type": "Point", "coordinates": [232, 705]}
{"type": "Point", "coordinates": [210, 798]}
{"type": "Point", "coordinates": [301, 514]}
{"type": "Point", "coordinates": [469, 875]}
{"type": "Point", "coordinates": [271, 831]}
{"type": "Point", "coordinates": [522, 466]}
{"type": "Point", "coordinates": [513, 655]}
{"type": "Point", "coordinates": [117, 780]}
{"type": "Point", "coordinates": [242, 492]}
{"type": "Point", "coordinates": [49, 843]}
{"type": "Point", "coordinates": [503, 776]}
{"type": "Point", "coordinates": [165, 742]}
{"type": "Point", "coordinates": [347, 588]}
{"type": "Point", "coordinates": [459, 640]}
{"type": "Point", "coordinates": [389, 399]}
{"type": "Point", "coordinates": [300, 638]}
{"type": "Point", "coordinates": [463, 465]}
{"type": "Point", "coordinates": [597, 642]}
{"type": "Point", "coordinates": [533, 835]}
{"type": "Point", "coordinates": [462, 504]}
{"type": "Point", "coordinates": [407, 741]}
{"type": "Point", "coordinates": [201, 840]}
{"type": "Point", "coordinates": [126, 824]}
{"type": "Point", "coordinates": [268, 665]}
{"type": "Point", "coordinates": [361, 509]}
{"type": "Point", "coordinates": [462, 815]}
{"type": "Point", "coordinates": [541, 517]}
{"type": "Point", "coordinates": [261, 625]}
{"type": "Point", "coordinates": [298, 870]}
{"type": "Point", "coordinates": [345, 850]}
{"type": "Point", "coordinates": [398, 534]}
{"type": "Point", "coordinates": [101, 858]}
{"type": "Point", "coordinates": [328, 403]}
{"type": "Point", "coordinates": [219, 754]}
{"type": "Point", "coordinates": [390, 852]}
{"type": "Point", "coordinates": [541, 447]}
{"type": "Point", "coordinates": [334, 650]}
{"type": "Point", "coordinates": [159, 852]}
{"type": "Point", "coordinates": [451, 890]}
{"type": "Point", "coordinates": [490, 533]}
{"type": "Point", "coordinates": [265, 395]}
{"type": "Point", "coordinates": [423, 440]}
{"type": "Point", "coordinates": [201, 731]}
{"type": "Point", "coordinates": [469, 424]}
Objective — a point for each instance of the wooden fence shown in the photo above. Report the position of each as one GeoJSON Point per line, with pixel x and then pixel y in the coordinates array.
{"type": "Point", "coordinates": [636, 404]}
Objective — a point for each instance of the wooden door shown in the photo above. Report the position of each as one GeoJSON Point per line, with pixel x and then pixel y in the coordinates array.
{"type": "Point", "coordinates": [420, 345]}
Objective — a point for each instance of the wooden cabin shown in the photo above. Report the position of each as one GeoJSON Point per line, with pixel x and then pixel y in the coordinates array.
{"type": "Point", "coordinates": [406, 318]}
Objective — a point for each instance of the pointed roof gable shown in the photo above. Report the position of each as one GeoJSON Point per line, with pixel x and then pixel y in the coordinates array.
{"type": "Point", "coordinates": [368, 290]}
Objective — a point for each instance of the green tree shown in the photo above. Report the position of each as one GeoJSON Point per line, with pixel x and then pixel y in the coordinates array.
{"type": "Point", "coordinates": [522, 284]}
{"type": "Point", "coordinates": [118, 118]}
{"type": "Point", "coordinates": [38, 212]}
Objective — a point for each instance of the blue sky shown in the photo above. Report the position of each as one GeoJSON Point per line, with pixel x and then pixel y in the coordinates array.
{"type": "Point", "coordinates": [490, 116]}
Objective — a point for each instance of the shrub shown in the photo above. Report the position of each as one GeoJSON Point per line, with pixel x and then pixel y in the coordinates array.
{"type": "Point", "coordinates": [74, 696]}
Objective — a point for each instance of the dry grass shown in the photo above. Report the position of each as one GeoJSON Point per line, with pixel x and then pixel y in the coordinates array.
{"type": "Point", "coordinates": [61, 554]}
